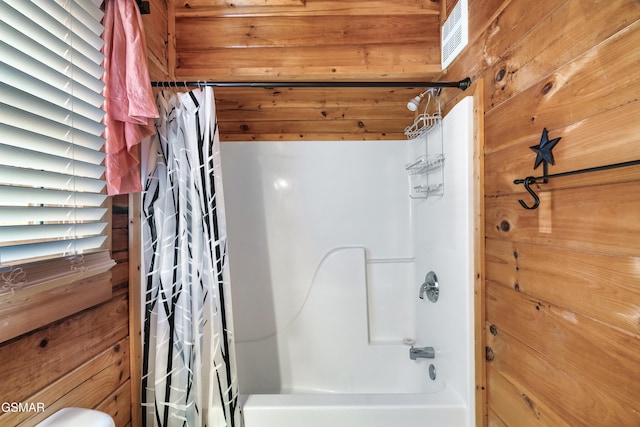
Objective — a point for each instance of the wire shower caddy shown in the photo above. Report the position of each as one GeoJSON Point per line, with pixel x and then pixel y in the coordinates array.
{"type": "Point", "coordinates": [426, 167]}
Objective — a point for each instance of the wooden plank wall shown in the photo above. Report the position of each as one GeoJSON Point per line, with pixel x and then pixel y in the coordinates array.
{"type": "Point", "coordinates": [81, 360]}
{"type": "Point", "coordinates": [313, 114]}
{"type": "Point", "coordinates": [306, 39]}
{"type": "Point", "coordinates": [299, 40]}
{"type": "Point", "coordinates": [562, 281]}
{"type": "Point", "coordinates": [156, 29]}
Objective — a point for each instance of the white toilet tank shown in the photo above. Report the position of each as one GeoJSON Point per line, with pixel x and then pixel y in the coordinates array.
{"type": "Point", "coordinates": [71, 417]}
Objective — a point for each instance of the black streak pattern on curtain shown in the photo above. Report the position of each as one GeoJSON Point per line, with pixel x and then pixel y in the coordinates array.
{"type": "Point", "coordinates": [189, 376]}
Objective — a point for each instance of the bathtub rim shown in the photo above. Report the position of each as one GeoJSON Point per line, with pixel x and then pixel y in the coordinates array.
{"type": "Point", "coordinates": [446, 398]}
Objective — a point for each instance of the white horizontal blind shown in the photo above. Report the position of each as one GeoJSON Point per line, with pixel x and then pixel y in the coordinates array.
{"type": "Point", "coordinates": [51, 164]}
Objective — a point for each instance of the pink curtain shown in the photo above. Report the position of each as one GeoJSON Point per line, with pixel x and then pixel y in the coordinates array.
{"type": "Point", "coordinates": [130, 107]}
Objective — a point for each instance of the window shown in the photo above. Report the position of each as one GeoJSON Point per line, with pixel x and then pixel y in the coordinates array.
{"type": "Point", "coordinates": [53, 206]}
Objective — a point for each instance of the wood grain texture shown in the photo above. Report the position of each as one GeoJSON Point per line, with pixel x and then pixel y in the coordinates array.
{"type": "Point", "coordinates": [505, 22]}
{"type": "Point", "coordinates": [324, 43]}
{"type": "Point", "coordinates": [88, 394]}
{"type": "Point", "coordinates": [120, 232]}
{"type": "Point", "coordinates": [156, 37]}
{"type": "Point", "coordinates": [336, 129]}
{"type": "Point", "coordinates": [326, 113]}
{"type": "Point", "coordinates": [494, 420]}
{"type": "Point", "coordinates": [239, 99]}
{"type": "Point", "coordinates": [313, 114]}
{"type": "Point", "coordinates": [135, 305]}
{"type": "Point", "coordinates": [49, 353]}
{"type": "Point", "coordinates": [331, 134]}
{"type": "Point", "coordinates": [82, 387]}
{"type": "Point", "coordinates": [39, 306]}
{"type": "Point", "coordinates": [547, 48]}
{"type": "Point", "coordinates": [118, 404]}
{"type": "Point", "coordinates": [600, 218]}
{"type": "Point", "coordinates": [513, 406]}
{"type": "Point", "coordinates": [254, 3]}
{"type": "Point", "coordinates": [482, 13]}
{"type": "Point", "coordinates": [575, 399]}
{"type": "Point", "coordinates": [203, 8]}
{"type": "Point", "coordinates": [120, 272]}
{"type": "Point", "coordinates": [552, 330]}
{"type": "Point", "coordinates": [595, 141]}
{"type": "Point", "coordinates": [199, 34]}
{"type": "Point", "coordinates": [479, 254]}
{"type": "Point", "coordinates": [604, 287]}
{"type": "Point", "coordinates": [603, 78]}
{"type": "Point", "coordinates": [341, 63]}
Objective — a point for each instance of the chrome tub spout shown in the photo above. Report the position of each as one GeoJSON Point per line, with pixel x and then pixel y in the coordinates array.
{"type": "Point", "coordinates": [422, 353]}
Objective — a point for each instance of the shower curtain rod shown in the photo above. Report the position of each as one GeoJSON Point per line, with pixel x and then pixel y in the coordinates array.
{"type": "Point", "coordinates": [462, 84]}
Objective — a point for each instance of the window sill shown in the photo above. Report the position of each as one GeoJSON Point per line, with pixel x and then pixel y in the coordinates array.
{"type": "Point", "coordinates": [26, 309]}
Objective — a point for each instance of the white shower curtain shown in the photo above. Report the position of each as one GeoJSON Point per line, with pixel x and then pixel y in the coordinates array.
{"type": "Point", "coordinates": [189, 372]}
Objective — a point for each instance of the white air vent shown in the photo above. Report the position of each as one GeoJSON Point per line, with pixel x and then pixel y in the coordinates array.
{"type": "Point", "coordinates": [455, 33]}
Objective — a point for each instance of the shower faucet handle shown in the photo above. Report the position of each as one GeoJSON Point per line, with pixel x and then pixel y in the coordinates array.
{"type": "Point", "coordinates": [430, 287]}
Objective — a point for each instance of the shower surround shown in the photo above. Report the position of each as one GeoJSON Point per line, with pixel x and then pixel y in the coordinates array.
{"type": "Point", "coordinates": [327, 255]}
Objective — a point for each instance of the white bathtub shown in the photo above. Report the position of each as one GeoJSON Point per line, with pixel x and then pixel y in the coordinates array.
{"type": "Point", "coordinates": [442, 409]}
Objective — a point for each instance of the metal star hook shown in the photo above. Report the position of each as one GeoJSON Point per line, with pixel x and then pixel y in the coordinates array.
{"type": "Point", "coordinates": [543, 150]}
